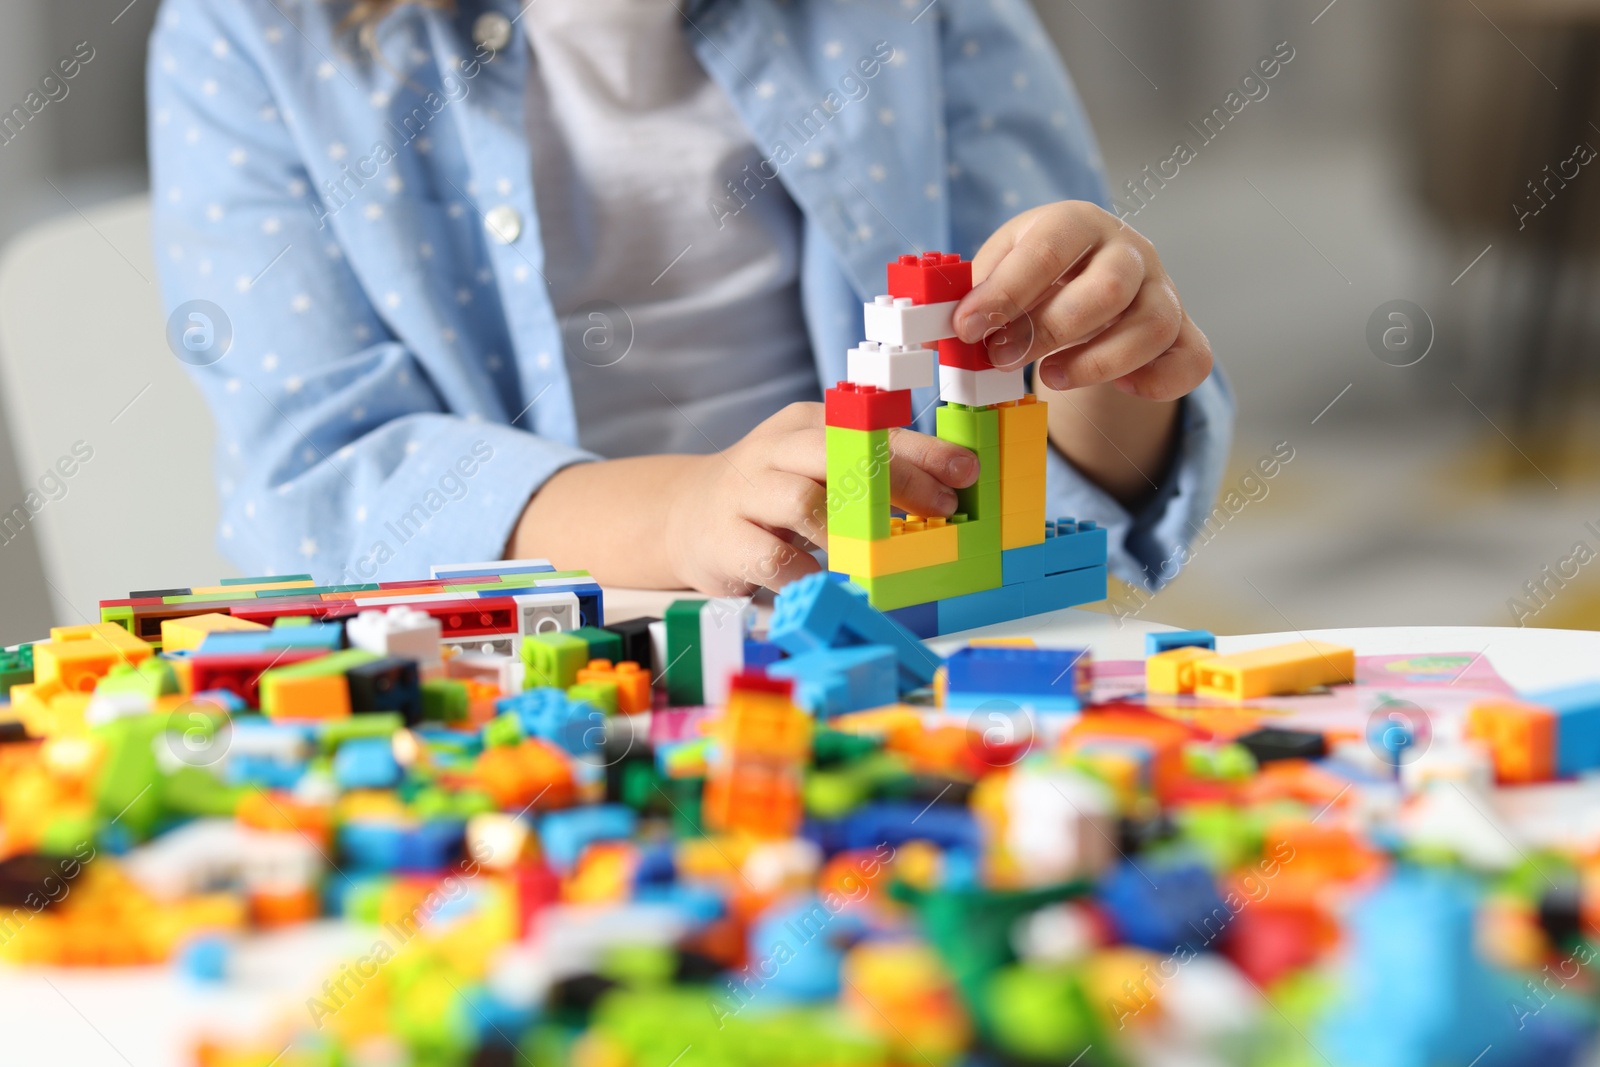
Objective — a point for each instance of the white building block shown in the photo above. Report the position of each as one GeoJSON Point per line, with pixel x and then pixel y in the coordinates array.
{"type": "Point", "coordinates": [544, 613]}
{"type": "Point", "coordinates": [1059, 825]}
{"type": "Point", "coordinates": [890, 367]}
{"type": "Point", "coordinates": [897, 321]}
{"type": "Point", "coordinates": [485, 644]}
{"type": "Point", "coordinates": [399, 631]}
{"type": "Point", "coordinates": [724, 624]}
{"type": "Point", "coordinates": [980, 388]}
{"type": "Point", "coordinates": [501, 671]}
{"type": "Point", "coordinates": [658, 647]}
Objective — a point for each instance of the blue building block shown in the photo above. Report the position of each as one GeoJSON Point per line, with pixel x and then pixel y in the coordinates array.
{"type": "Point", "coordinates": [1166, 642]}
{"type": "Point", "coordinates": [1067, 590]}
{"type": "Point", "coordinates": [1415, 993]}
{"type": "Point", "coordinates": [810, 941]}
{"type": "Point", "coordinates": [379, 845]}
{"type": "Point", "coordinates": [205, 958]}
{"type": "Point", "coordinates": [366, 763]}
{"type": "Point", "coordinates": [1020, 670]}
{"type": "Point", "coordinates": [574, 726]}
{"type": "Point", "coordinates": [1018, 565]}
{"type": "Point", "coordinates": [895, 822]}
{"type": "Point", "coordinates": [563, 835]}
{"type": "Point", "coordinates": [325, 635]}
{"type": "Point", "coordinates": [922, 620]}
{"type": "Point", "coordinates": [1071, 546]}
{"type": "Point", "coordinates": [819, 611]}
{"type": "Point", "coordinates": [983, 608]}
{"type": "Point", "coordinates": [759, 654]}
{"type": "Point", "coordinates": [256, 752]}
{"type": "Point", "coordinates": [1162, 907]}
{"type": "Point", "coordinates": [1577, 711]}
{"type": "Point", "coordinates": [832, 681]}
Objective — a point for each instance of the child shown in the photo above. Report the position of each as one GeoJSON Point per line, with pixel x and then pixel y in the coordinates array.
{"type": "Point", "coordinates": [567, 279]}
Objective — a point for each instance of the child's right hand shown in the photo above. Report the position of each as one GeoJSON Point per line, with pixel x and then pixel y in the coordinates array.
{"type": "Point", "coordinates": [746, 517]}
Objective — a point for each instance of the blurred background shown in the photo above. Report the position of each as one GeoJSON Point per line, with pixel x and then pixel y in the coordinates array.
{"type": "Point", "coordinates": [1432, 152]}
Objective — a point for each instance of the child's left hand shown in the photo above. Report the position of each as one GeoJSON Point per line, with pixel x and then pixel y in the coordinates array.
{"type": "Point", "coordinates": [1074, 287]}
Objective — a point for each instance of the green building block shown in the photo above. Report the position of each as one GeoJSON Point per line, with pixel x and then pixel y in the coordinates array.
{"type": "Point", "coordinates": [16, 668]}
{"type": "Point", "coordinates": [502, 731]}
{"type": "Point", "coordinates": [1043, 1015]}
{"type": "Point", "coordinates": [269, 579]}
{"type": "Point", "coordinates": [685, 677]}
{"type": "Point", "coordinates": [602, 694]}
{"type": "Point", "coordinates": [889, 591]}
{"type": "Point", "coordinates": [150, 679]}
{"type": "Point", "coordinates": [858, 483]}
{"type": "Point", "coordinates": [444, 699]}
{"type": "Point", "coordinates": [553, 659]}
{"type": "Point", "coordinates": [196, 791]}
{"type": "Point", "coordinates": [972, 428]}
{"type": "Point", "coordinates": [603, 644]}
{"type": "Point", "coordinates": [358, 728]}
{"type": "Point", "coordinates": [127, 788]}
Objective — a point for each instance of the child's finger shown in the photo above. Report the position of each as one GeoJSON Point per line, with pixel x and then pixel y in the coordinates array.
{"type": "Point", "coordinates": [1149, 328]}
{"type": "Point", "coordinates": [1026, 271]}
{"type": "Point", "coordinates": [775, 562]}
{"type": "Point", "coordinates": [923, 470]}
{"type": "Point", "coordinates": [1074, 313]}
{"type": "Point", "coordinates": [785, 501]}
{"type": "Point", "coordinates": [1174, 373]}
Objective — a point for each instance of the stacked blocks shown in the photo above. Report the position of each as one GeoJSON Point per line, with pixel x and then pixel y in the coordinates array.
{"type": "Point", "coordinates": [997, 558]}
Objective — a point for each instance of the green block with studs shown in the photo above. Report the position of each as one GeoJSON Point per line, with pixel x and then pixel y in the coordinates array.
{"type": "Point", "coordinates": [858, 483]}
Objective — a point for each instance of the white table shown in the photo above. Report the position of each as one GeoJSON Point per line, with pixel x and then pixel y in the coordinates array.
{"type": "Point", "coordinates": [144, 1017]}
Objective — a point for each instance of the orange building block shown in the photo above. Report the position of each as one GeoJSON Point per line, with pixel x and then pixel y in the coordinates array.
{"type": "Point", "coordinates": [1163, 738]}
{"type": "Point", "coordinates": [760, 723]}
{"type": "Point", "coordinates": [632, 681]}
{"type": "Point", "coordinates": [79, 656]}
{"type": "Point", "coordinates": [1521, 738]}
{"type": "Point", "coordinates": [532, 773]}
{"type": "Point", "coordinates": [755, 798]}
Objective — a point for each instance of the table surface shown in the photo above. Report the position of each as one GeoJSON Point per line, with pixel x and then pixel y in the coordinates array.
{"type": "Point", "coordinates": [146, 1017]}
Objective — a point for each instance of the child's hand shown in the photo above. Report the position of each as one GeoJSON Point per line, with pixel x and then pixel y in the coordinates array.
{"type": "Point", "coordinates": [1071, 282]}
{"type": "Point", "coordinates": [745, 518]}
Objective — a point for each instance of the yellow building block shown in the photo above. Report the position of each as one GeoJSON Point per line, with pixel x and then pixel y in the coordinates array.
{"type": "Point", "coordinates": [244, 591]}
{"type": "Point", "coordinates": [50, 709]}
{"type": "Point", "coordinates": [911, 545]}
{"type": "Point", "coordinates": [1002, 642]}
{"type": "Point", "coordinates": [1173, 671]}
{"type": "Point", "coordinates": [1024, 440]}
{"type": "Point", "coordinates": [189, 630]}
{"type": "Point", "coordinates": [1279, 671]}
{"type": "Point", "coordinates": [79, 656]}
{"type": "Point", "coordinates": [1024, 420]}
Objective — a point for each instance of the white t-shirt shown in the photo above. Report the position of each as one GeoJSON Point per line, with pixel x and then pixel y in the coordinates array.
{"type": "Point", "coordinates": [631, 144]}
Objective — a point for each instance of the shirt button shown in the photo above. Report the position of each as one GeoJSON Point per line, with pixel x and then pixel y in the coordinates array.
{"type": "Point", "coordinates": [504, 223]}
{"type": "Point", "coordinates": [492, 31]}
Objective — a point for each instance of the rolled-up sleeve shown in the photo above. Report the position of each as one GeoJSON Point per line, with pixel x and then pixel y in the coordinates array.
{"type": "Point", "coordinates": [338, 451]}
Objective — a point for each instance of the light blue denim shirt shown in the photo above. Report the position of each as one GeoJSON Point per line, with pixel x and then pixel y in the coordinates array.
{"type": "Point", "coordinates": [394, 391]}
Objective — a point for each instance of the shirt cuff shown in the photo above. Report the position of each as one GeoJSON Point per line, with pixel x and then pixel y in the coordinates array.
{"type": "Point", "coordinates": [463, 490]}
{"type": "Point", "coordinates": [1148, 548]}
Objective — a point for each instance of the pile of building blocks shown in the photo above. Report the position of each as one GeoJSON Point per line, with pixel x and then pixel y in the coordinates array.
{"type": "Point", "coordinates": [686, 841]}
{"type": "Point", "coordinates": [997, 558]}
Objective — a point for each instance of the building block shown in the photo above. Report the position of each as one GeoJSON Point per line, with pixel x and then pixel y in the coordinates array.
{"type": "Point", "coordinates": [553, 659]}
{"type": "Point", "coordinates": [1163, 642]}
{"type": "Point", "coordinates": [563, 835]}
{"type": "Point", "coordinates": [327, 637]}
{"type": "Point", "coordinates": [636, 643]}
{"type": "Point", "coordinates": [313, 688]}
{"type": "Point", "coordinates": [897, 321]}
{"type": "Point", "coordinates": [819, 611]}
{"type": "Point", "coordinates": [366, 763]}
{"type": "Point", "coordinates": [685, 682]}
{"type": "Point", "coordinates": [399, 631]}
{"type": "Point", "coordinates": [1173, 671]}
{"type": "Point", "coordinates": [724, 624]}
{"type": "Point", "coordinates": [858, 483]}
{"type": "Point", "coordinates": [753, 784]}
{"type": "Point", "coordinates": [1024, 420]}
{"type": "Point", "coordinates": [1271, 743]}
{"type": "Point", "coordinates": [552, 612]}
{"type": "Point", "coordinates": [888, 591]}
{"type": "Point", "coordinates": [600, 692]}
{"type": "Point", "coordinates": [603, 644]}
{"type": "Point", "coordinates": [1164, 909]}
{"type": "Point", "coordinates": [983, 608]}
{"type": "Point", "coordinates": [78, 656]}
{"type": "Point", "coordinates": [1521, 739]}
{"type": "Point", "coordinates": [866, 407]}
{"type": "Point", "coordinates": [969, 426]}
{"type": "Point", "coordinates": [490, 568]}
{"type": "Point", "coordinates": [387, 684]}
{"type": "Point", "coordinates": [890, 367]}
{"type": "Point", "coordinates": [834, 681]}
{"type": "Point", "coordinates": [758, 654]}
{"type": "Point", "coordinates": [16, 667]}
{"type": "Point", "coordinates": [570, 723]}
{"type": "Point", "coordinates": [913, 543]}
{"type": "Point", "coordinates": [968, 355]}
{"type": "Point", "coordinates": [1280, 671]}
{"type": "Point", "coordinates": [188, 631]}
{"type": "Point", "coordinates": [931, 278]}
{"type": "Point", "coordinates": [921, 620]}
{"type": "Point", "coordinates": [632, 682]}
{"type": "Point", "coordinates": [1069, 589]}
{"type": "Point", "coordinates": [980, 388]}
{"type": "Point", "coordinates": [240, 672]}
{"type": "Point", "coordinates": [1053, 672]}
{"type": "Point", "coordinates": [1577, 724]}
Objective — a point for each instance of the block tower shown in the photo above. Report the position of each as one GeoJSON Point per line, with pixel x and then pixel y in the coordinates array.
{"type": "Point", "coordinates": [998, 557]}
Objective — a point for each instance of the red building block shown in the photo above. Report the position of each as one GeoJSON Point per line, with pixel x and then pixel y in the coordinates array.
{"type": "Point", "coordinates": [931, 278]}
{"type": "Point", "coordinates": [866, 407]}
{"type": "Point", "coordinates": [240, 672]}
{"type": "Point", "coordinates": [954, 352]}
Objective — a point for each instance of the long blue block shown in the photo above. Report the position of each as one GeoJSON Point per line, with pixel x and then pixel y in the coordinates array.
{"type": "Point", "coordinates": [973, 700]}
{"type": "Point", "coordinates": [984, 608]}
{"type": "Point", "coordinates": [1067, 546]}
{"type": "Point", "coordinates": [1067, 590]}
{"type": "Point", "coordinates": [820, 611]}
{"type": "Point", "coordinates": [833, 681]}
{"type": "Point", "coordinates": [1577, 711]}
{"type": "Point", "coordinates": [1045, 672]}
{"type": "Point", "coordinates": [328, 635]}
{"type": "Point", "coordinates": [1166, 642]}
